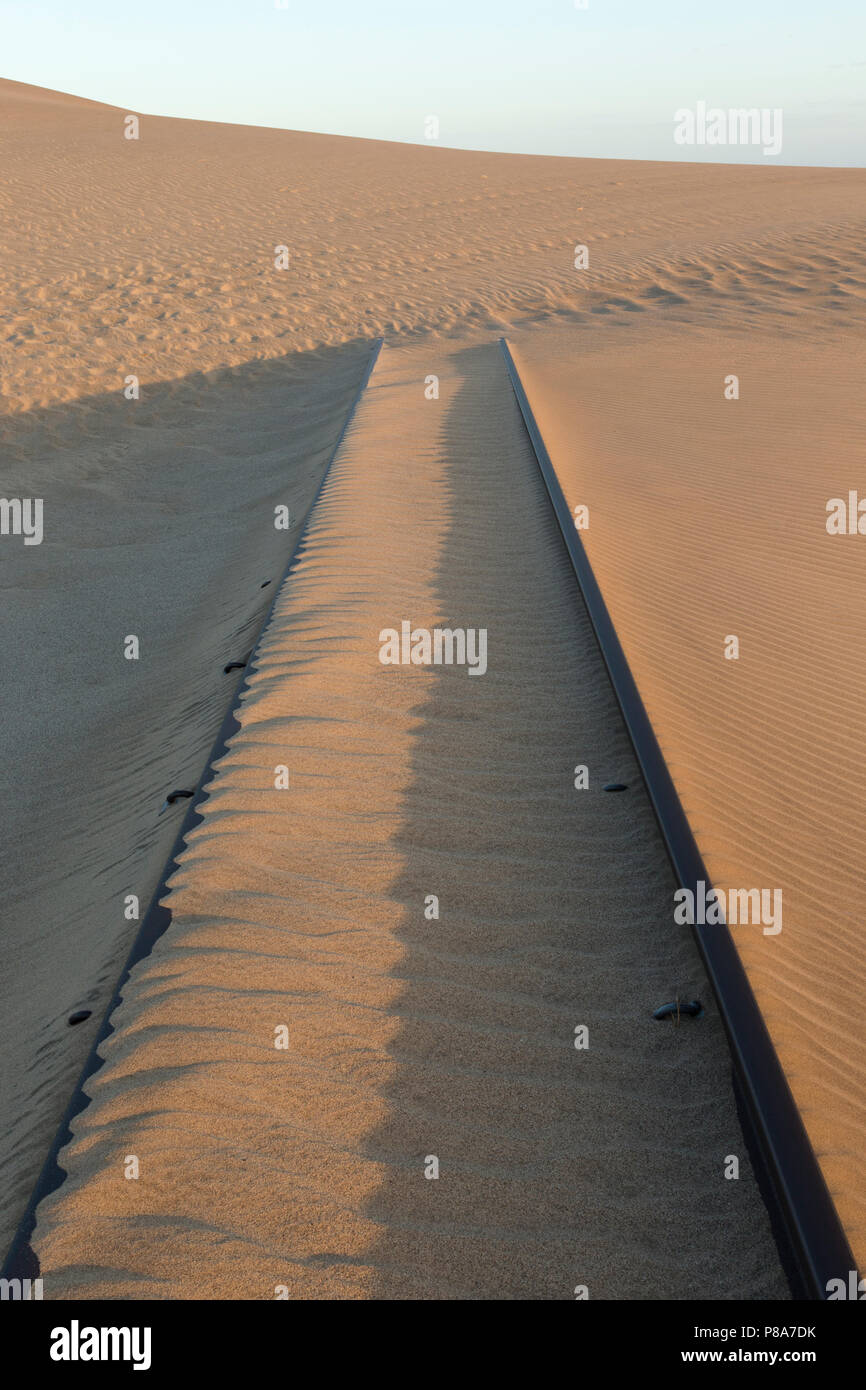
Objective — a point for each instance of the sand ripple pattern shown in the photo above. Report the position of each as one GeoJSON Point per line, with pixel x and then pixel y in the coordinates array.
{"type": "Point", "coordinates": [156, 256]}
{"type": "Point", "coordinates": [304, 1168]}
{"type": "Point", "coordinates": [708, 519]}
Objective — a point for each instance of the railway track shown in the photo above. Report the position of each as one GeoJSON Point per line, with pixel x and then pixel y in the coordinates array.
{"type": "Point", "coordinates": [807, 1226]}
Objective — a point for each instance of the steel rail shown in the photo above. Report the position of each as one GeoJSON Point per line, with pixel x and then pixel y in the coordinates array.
{"type": "Point", "coordinates": [812, 1236]}
{"type": "Point", "coordinates": [21, 1261]}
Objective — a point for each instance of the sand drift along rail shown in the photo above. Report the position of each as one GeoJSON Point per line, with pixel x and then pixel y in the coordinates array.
{"type": "Point", "coordinates": [798, 1194]}
{"type": "Point", "coordinates": [474, 446]}
{"type": "Point", "coordinates": [20, 1261]}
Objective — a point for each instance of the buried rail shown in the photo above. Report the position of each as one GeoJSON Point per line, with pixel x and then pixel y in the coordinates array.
{"type": "Point", "coordinates": [21, 1261]}
{"type": "Point", "coordinates": [798, 1197]}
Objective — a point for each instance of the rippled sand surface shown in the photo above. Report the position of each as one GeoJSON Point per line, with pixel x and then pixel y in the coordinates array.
{"type": "Point", "coordinates": [415, 1037]}
{"type": "Point", "coordinates": [155, 258]}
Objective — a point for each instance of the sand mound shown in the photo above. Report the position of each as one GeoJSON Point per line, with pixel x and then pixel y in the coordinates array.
{"type": "Point", "coordinates": [414, 1037]}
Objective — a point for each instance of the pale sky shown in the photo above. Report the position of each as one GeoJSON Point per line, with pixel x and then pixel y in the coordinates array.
{"type": "Point", "coordinates": [540, 77]}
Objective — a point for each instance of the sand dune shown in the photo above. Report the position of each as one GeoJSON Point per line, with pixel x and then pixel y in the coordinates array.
{"type": "Point", "coordinates": [408, 1037]}
{"type": "Point", "coordinates": [155, 258]}
{"type": "Point", "coordinates": [156, 255]}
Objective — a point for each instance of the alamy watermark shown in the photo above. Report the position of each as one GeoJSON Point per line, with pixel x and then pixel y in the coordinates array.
{"type": "Point", "coordinates": [846, 518]}
{"type": "Point", "coordinates": [77, 1343]}
{"type": "Point", "coordinates": [855, 1289]}
{"type": "Point", "coordinates": [20, 1290]}
{"type": "Point", "coordinates": [22, 516]}
{"type": "Point", "coordinates": [741, 125]}
{"type": "Point", "coordinates": [755, 906]}
{"type": "Point", "coordinates": [443, 646]}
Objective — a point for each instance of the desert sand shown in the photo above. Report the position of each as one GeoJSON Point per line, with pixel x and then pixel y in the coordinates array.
{"type": "Point", "coordinates": [155, 258]}
{"type": "Point", "coordinates": [707, 520]}
{"type": "Point", "coordinates": [413, 1037]}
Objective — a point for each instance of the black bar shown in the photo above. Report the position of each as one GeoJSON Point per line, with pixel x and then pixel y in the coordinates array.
{"type": "Point", "coordinates": [21, 1261]}
{"type": "Point", "coordinates": [810, 1221]}
{"type": "Point", "coordinates": [228, 1340]}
